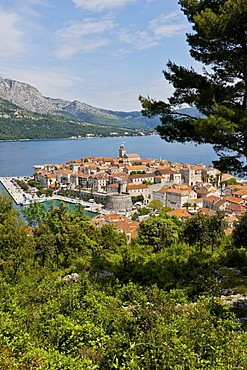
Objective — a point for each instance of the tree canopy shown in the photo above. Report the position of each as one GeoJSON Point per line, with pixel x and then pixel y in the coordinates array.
{"type": "Point", "coordinates": [73, 296]}
{"type": "Point", "coordinates": [219, 93]}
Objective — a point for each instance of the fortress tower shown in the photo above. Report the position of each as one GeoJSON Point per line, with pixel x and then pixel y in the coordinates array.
{"type": "Point", "coordinates": [120, 201]}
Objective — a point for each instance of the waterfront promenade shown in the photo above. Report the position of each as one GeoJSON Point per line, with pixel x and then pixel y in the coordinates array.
{"type": "Point", "coordinates": [15, 192]}
{"type": "Point", "coordinates": [21, 198]}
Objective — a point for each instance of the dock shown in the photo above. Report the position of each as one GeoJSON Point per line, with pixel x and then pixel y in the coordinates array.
{"type": "Point", "coordinates": [15, 192]}
{"type": "Point", "coordinates": [21, 198]}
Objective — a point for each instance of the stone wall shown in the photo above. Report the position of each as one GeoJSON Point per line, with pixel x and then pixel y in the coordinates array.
{"type": "Point", "coordinates": [118, 202]}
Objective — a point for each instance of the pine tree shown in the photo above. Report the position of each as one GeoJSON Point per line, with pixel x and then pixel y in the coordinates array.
{"type": "Point", "coordinates": [219, 42]}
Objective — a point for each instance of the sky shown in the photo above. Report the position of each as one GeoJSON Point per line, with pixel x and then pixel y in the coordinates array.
{"type": "Point", "coordinates": [104, 53]}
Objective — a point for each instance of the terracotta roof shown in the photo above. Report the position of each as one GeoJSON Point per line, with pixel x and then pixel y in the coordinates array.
{"type": "Point", "coordinates": [220, 202]}
{"type": "Point", "coordinates": [202, 190]}
{"type": "Point", "coordinates": [51, 175]}
{"type": "Point", "coordinates": [197, 167]}
{"type": "Point", "coordinates": [133, 168]}
{"type": "Point", "coordinates": [229, 230]}
{"type": "Point", "coordinates": [180, 213]}
{"type": "Point", "coordinates": [148, 160]}
{"type": "Point", "coordinates": [197, 200]}
{"type": "Point", "coordinates": [143, 175]}
{"type": "Point", "coordinates": [133, 155]}
{"type": "Point", "coordinates": [67, 172]}
{"type": "Point", "coordinates": [212, 198]}
{"type": "Point", "coordinates": [182, 187]}
{"type": "Point", "coordinates": [226, 176]}
{"type": "Point", "coordinates": [241, 192]}
{"type": "Point", "coordinates": [120, 222]}
{"type": "Point", "coordinates": [119, 174]}
{"type": "Point", "coordinates": [76, 161]}
{"type": "Point", "coordinates": [231, 218]}
{"type": "Point", "coordinates": [206, 211]}
{"type": "Point", "coordinates": [137, 186]}
{"type": "Point", "coordinates": [233, 199]}
{"type": "Point", "coordinates": [166, 171]}
{"type": "Point", "coordinates": [233, 187]}
{"type": "Point", "coordinates": [100, 176]}
{"type": "Point", "coordinates": [236, 207]}
{"type": "Point", "coordinates": [162, 190]}
{"type": "Point", "coordinates": [178, 191]}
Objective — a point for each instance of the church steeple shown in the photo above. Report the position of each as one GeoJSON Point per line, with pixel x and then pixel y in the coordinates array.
{"type": "Point", "coordinates": [122, 151]}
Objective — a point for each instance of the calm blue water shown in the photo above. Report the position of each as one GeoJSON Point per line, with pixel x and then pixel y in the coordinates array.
{"type": "Point", "coordinates": [48, 204]}
{"type": "Point", "coordinates": [18, 158]}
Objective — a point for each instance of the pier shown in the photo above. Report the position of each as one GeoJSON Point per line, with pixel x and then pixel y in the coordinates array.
{"type": "Point", "coordinates": [15, 192]}
{"type": "Point", "coordinates": [21, 198]}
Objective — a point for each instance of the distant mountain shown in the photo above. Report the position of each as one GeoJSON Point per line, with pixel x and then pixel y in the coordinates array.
{"type": "Point", "coordinates": [17, 123]}
{"type": "Point", "coordinates": [32, 115]}
{"type": "Point", "coordinates": [28, 97]}
{"type": "Point", "coordinates": [25, 96]}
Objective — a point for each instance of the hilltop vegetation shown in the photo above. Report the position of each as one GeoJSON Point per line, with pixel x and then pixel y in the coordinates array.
{"type": "Point", "coordinates": [26, 114]}
{"type": "Point", "coordinates": [77, 297]}
{"type": "Point", "coordinates": [17, 123]}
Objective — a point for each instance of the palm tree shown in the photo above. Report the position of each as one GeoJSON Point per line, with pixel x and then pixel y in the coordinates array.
{"type": "Point", "coordinates": [187, 205]}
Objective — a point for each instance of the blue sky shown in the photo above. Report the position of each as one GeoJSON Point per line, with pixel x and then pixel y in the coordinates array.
{"type": "Point", "coordinates": [102, 52]}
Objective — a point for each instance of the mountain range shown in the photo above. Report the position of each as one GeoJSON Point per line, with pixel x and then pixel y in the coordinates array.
{"type": "Point", "coordinates": [26, 114]}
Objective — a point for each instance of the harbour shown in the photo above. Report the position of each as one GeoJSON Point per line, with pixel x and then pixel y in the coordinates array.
{"type": "Point", "coordinates": [21, 200]}
{"type": "Point", "coordinates": [18, 158]}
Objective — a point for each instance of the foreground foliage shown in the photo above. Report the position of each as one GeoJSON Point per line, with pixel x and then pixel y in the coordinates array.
{"type": "Point", "coordinates": [76, 297]}
{"type": "Point", "coordinates": [219, 93]}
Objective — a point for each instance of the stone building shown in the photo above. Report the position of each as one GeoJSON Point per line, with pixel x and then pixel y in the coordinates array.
{"type": "Point", "coordinates": [120, 201]}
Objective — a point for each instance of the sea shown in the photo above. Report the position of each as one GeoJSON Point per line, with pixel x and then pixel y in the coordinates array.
{"type": "Point", "coordinates": [17, 158]}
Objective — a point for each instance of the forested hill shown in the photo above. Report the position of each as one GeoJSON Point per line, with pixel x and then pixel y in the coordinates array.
{"type": "Point", "coordinates": [18, 123]}
{"type": "Point", "coordinates": [26, 114]}
{"type": "Point", "coordinates": [73, 296]}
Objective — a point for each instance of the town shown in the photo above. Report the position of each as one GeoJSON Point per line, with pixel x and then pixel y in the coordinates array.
{"type": "Point", "coordinates": [117, 188]}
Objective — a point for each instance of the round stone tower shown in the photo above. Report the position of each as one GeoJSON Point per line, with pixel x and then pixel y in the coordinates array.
{"type": "Point", "coordinates": [120, 201]}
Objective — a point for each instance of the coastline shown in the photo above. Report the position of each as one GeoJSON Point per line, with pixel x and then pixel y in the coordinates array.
{"type": "Point", "coordinates": [81, 137]}
{"type": "Point", "coordinates": [18, 158]}
{"type": "Point", "coordinates": [16, 194]}
{"type": "Point", "coordinates": [20, 198]}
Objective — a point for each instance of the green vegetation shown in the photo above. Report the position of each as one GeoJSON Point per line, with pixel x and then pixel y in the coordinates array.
{"type": "Point", "coordinates": [219, 93]}
{"type": "Point", "coordinates": [17, 124]}
{"type": "Point", "coordinates": [73, 296]}
{"type": "Point", "coordinates": [137, 198]}
{"type": "Point", "coordinates": [22, 184]}
{"type": "Point", "coordinates": [141, 211]}
{"type": "Point", "coordinates": [156, 205]}
{"type": "Point", "coordinates": [239, 234]}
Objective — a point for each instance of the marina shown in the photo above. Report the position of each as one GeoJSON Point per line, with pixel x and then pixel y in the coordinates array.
{"type": "Point", "coordinates": [21, 199]}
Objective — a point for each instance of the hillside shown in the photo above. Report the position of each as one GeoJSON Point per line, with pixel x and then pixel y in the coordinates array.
{"type": "Point", "coordinates": [44, 117]}
{"type": "Point", "coordinates": [17, 123]}
{"type": "Point", "coordinates": [26, 114]}
{"type": "Point", "coordinates": [77, 296]}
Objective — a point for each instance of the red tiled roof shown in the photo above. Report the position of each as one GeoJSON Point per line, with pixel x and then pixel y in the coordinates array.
{"type": "Point", "coordinates": [137, 186]}
{"type": "Point", "coordinates": [212, 198]}
{"type": "Point", "coordinates": [162, 190]}
{"type": "Point", "coordinates": [180, 213]}
{"type": "Point", "coordinates": [233, 199]}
